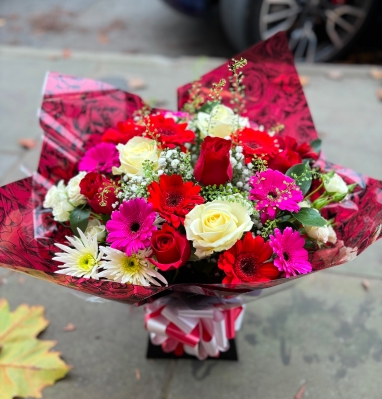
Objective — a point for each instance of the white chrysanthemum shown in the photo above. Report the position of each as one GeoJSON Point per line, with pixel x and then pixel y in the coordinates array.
{"type": "Point", "coordinates": [82, 260]}
{"type": "Point", "coordinates": [134, 269]}
{"type": "Point", "coordinates": [74, 190]}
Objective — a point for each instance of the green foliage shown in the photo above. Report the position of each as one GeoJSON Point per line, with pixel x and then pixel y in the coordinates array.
{"type": "Point", "coordinates": [79, 219]}
{"type": "Point", "coordinates": [310, 217]}
{"type": "Point", "coordinates": [302, 175]}
{"type": "Point", "coordinates": [316, 145]}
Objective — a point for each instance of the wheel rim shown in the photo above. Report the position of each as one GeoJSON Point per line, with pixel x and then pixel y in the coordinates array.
{"type": "Point", "coordinates": [318, 29]}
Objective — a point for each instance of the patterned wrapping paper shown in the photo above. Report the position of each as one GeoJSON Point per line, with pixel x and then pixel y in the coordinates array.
{"type": "Point", "coordinates": [76, 111]}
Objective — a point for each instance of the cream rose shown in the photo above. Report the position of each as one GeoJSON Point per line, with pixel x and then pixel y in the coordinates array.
{"type": "Point", "coordinates": [96, 228]}
{"type": "Point", "coordinates": [322, 234]}
{"type": "Point", "coordinates": [221, 122]}
{"type": "Point", "coordinates": [133, 154]}
{"type": "Point", "coordinates": [216, 226]}
{"type": "Point", "coordinates": [336, 185]}
{"type": "Point", "coordinates": [74, 190]}
{"type": "Point", "coordinates": [57, 199]}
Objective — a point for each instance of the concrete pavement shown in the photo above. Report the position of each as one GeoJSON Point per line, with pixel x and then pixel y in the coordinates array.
{"type": "Point", "coordinates": [326, 331]}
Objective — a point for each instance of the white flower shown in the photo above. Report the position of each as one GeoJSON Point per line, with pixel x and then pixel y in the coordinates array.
{"type": "Point", "coordinates": [74, 194]}
{"type": "Point", "coordinates": [134, 153]}
{"type": "Point", "coordinates": [221, 122]}
{"type": "Point", "coordinates": [134, 269]}
{"type": "Point", "coordinates": [322, 234]}
{"type": "Point", "coordinates": [216, 226]}
{"type": "Point", "coordinates": [335, 184]}
{"type": "Point", "coordinates": [97, 229]}
{"type": "Point", "coordinates": [57, 199]}
{"type": "Point", "coordinates": [175, 163]}
{"type": "Point", "coordinates": [305, 204]}
{"type": "Point", "coordinates": [82, 260]}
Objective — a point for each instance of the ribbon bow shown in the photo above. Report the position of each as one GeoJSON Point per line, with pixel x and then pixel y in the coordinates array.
{"type": "Point", "coordinates": [200, 333]}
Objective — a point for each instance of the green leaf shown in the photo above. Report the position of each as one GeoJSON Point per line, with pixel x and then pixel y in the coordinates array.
{"type": "Point", "coordinates": [302, 175]}
{"type": "Point", "coordinates": [26, 364]}
{"type": "Point", "coordinates": [207, 107]}
{"type": "Point", "coordinates": [79, 218]}
{"type": "Point", "coordinates": [310, 217]}
{"type": "Point", "coordinates": [316, 145]}
{"type": "Point", "coordinates": [106, 218]}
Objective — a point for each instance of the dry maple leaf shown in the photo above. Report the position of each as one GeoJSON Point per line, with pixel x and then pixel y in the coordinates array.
{"type": "Point", "coordinates": [300, 393]}
{"type": "Point", "coordinates": [26, 364]}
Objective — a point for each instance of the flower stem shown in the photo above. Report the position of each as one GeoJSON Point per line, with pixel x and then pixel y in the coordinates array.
{"type": "Point", "coordinates": [314, 191]}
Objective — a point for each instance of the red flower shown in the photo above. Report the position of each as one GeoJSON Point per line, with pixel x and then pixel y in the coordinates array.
{"type": "Point", "coordinates": [100, 192]}
{"type": "Point", "coordinates": [213, 165]}
{"type": "Point", "coordinates": [248, 261]}
{"type": "Point", "coordinates": [292, 154]}
{"type": "Point", "coordinates": [123, 133]}
{"type": "Point", "coordinates": [171, 134]}
{"type": "Point", "coordinates": [173, 198]}
{"type": "Point", "coordinates": [170, 248]}
{"type": "Point", "coordinates": [256, 142]}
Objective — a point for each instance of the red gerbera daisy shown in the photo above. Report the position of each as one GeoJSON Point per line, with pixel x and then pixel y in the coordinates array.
{"type": "Point", "coordinates": [170, 134]}
{"type": "Point", "coordinates": [256, 142]}
{"type": "Point", "coordinates": [123, 132]}
{"type": "Point", "coordinates": [173, 199]}
{"type": "Point", "coordinates": [248, 261]}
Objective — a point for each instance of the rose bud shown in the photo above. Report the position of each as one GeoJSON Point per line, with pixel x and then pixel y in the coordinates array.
{"type": "Point", "coordinates": [335, 184]}
{"type": "Point", "coordinates": [170, 248]}
{"type": "Point", "coordinates": [100, 192]}
{"type": "Point", "coordinates": [213, 165]}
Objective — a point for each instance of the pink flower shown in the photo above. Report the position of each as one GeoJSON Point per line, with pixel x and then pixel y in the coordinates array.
{"type": "Point", "coordinates": [131, 227]}
{"type": "Point", "coordinates": [272, 189]}
{"type": "Point", "coordinates": [292, 257]}
{"type": "Point", "coordinates": [100, 158]}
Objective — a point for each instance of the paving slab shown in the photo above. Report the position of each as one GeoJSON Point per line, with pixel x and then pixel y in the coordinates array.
{"type": "Point", "coordinates": [325, 331]}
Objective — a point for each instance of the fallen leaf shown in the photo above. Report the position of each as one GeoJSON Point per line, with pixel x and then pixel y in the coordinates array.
{"type": "Point", "coordinates": [137, 374]}
{"type": "Point", "coordinates": [66, 53]}
{"type": "Point", "coordinates": [26, 363]}
{"type": "Point", "coordinates": [300, 393]}
{"type": "Point", "coordinates": [136, 83]}
{"type": "Point", "coordinates": [379, 94]}
{"type": "Point", "coordinates": [28, 143]}
{"type": "Point", "coordinates": [366, 285]}
{"type": "Point", "coordinates": [376, 73]}
{"type": "Point", "coordinates": [69, 327]}
{"type": "Point", "coordinates": [304, 80]}
{"type": "Point", "coordinates": [103, 38]}
{"type": "Point", "coordinates": [334, 74]}
{"type": "Point", "coordinates": [3, 22]}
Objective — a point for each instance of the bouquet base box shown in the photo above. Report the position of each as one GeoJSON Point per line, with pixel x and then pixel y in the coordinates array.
{"type": "Point", "coordinates": [156, 352]}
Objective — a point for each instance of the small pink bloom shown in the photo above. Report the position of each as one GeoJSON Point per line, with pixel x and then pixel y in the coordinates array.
{"type": "Point", "coordinates": [131, 227]}
{"type": "Point", "coordinates": [272, 189]}
{"type": "Point", "coordinates": [292, 257]}
{"type": "Point", "coordinates": [100, 158]}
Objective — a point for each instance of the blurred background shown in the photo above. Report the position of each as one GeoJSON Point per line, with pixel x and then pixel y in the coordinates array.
{"type": "Point", "coordinates": [348, 31]}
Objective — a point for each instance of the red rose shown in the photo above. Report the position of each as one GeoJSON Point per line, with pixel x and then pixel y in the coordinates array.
{"type": "Point", "coordinates": [170, 248]}
{"type": "Point", "coordinates": [100, 192]}
{"type": "Point", "coordinates": [213, 165]}
{"type": "Point", "coordinates": [284, 160]}
{"type": "Point", "coordinates": [123, 133]}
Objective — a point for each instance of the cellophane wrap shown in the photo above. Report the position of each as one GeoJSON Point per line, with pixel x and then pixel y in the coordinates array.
{"type": "Point", "coordinates": [76, 111]}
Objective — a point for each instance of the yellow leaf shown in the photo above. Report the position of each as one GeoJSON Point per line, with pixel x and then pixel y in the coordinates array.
{"type": "Point", "coordinates": [26, 364]}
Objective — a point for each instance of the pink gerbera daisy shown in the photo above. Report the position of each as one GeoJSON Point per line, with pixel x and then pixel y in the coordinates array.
{"type": "Point", "coordinates": [131, 227]}
{"type": "Point", "coordinates": [100, 158]}
{"type": "Point", "coordinates": [272, 189]}
{"type": "Point", "coordinates": [292, 257]}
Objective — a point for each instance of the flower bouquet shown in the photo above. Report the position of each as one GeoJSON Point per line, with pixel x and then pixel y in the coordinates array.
{"type": "Point", "coordinates": [189, 212]}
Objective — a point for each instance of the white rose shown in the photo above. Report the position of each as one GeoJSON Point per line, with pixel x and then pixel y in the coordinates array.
{"type": "Point", "coordinates": [96, 228]}
{"type": "Point", "coordinates": [134, 153]}
{"type": "Point", "coordinates": [335, 185]}
{"type": "Point", "coordinates": [75, 196]}
{"type": "Point", "coordinates": [57, 199]}
{"type": "Point", "coordinates": [216, 226]}
{"type": "Point", "coordinates": [322, 234]}
{"type": "Point", "coordinates": [221, 122]}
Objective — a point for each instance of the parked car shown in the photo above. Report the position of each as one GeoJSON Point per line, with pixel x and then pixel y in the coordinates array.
{"type": "Point", "coordinates": [318, 30]}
